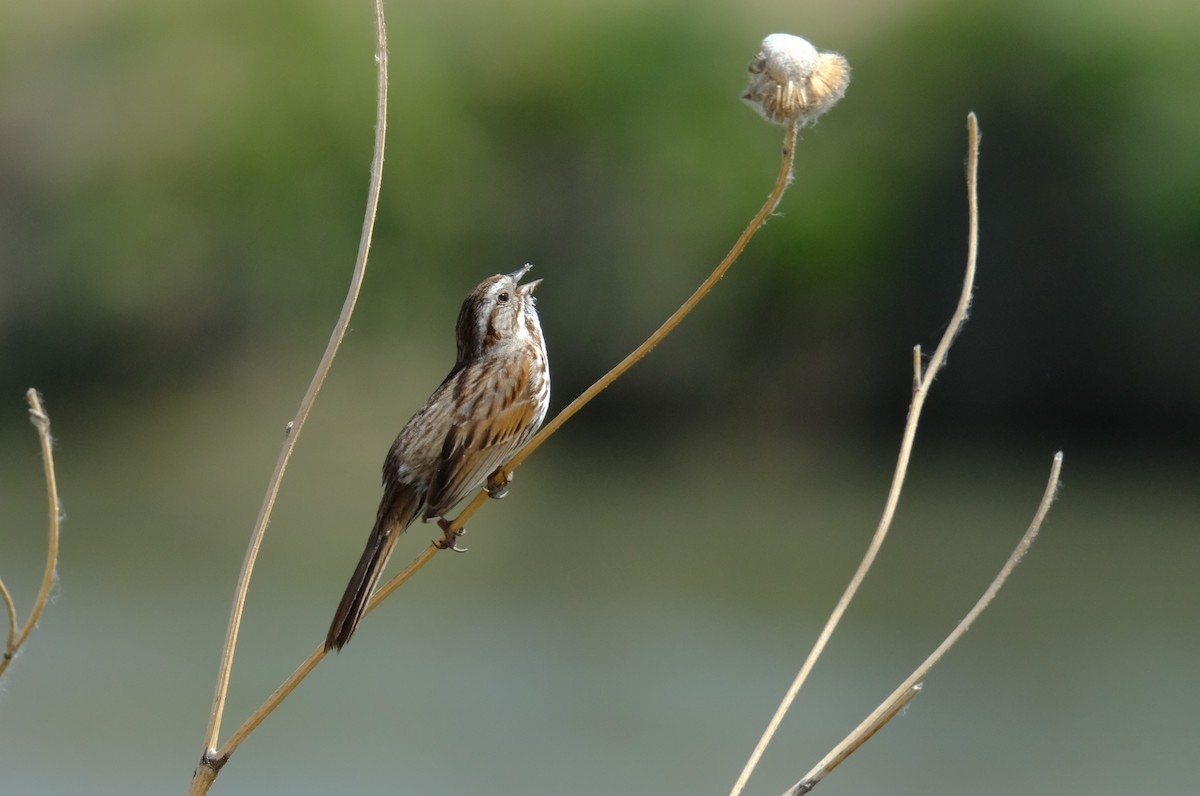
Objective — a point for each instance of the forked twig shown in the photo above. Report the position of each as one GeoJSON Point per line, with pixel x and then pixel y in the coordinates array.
{"type": "Point", "coordinates": [911, 685]}
{"type": "Point", "coordinates": [15, 638]}
{"type": "Point", "coordinates": [207, 763]}
{"type": "Point", "coordinates": [906, 445]}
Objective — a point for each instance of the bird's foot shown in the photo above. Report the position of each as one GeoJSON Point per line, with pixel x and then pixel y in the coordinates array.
{"type": "Point", "coordinates": [449, 540]}
{"type": "Point", "coordinates": [497, 484]}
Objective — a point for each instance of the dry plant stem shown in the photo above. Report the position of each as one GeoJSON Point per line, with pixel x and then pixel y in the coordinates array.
{"type": "Point", "coordinates": [907, 689]}
{"type": "Point", "coordinates": [906, 444]}
{"type": "Point", "coordinates": [294, 427]}
{"type": "Point", "coordinates": [15, 638]}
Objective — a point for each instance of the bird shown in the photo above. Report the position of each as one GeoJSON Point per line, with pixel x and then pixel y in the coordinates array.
{"type": "Point", "coordinates": [488, 406]}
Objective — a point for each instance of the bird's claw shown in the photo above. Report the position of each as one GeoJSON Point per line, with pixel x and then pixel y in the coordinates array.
{"type": "Point", "coordinates": [449, 540]}
{"type": "Point", "coordinates": [497, 484]}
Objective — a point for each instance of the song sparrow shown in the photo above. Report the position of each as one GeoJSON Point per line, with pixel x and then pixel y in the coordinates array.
{"type": "Point", "coordinates": [489, 405]}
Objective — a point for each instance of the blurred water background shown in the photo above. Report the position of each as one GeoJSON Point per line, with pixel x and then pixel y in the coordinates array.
{"type": "Point", "coordinates": [181, 188]}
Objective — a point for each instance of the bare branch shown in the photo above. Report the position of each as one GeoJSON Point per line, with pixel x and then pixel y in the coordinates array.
{"type": "Point", "coordinates": [907, 689]}
{"type": "Point", "coordinates": [906, 445]}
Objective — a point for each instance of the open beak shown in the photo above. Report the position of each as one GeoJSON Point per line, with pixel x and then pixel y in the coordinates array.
{"type": "Point", "coordinates": [527, 288]}
{"type": "Point", "coordinates": [520, 272]}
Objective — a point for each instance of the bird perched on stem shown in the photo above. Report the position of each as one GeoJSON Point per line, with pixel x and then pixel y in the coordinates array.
{"type": "Point", "coordinates": [489, 405]}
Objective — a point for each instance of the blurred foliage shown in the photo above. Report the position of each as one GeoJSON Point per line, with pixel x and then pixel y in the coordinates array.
{"type": "Point", "coordinates": [178, 181]}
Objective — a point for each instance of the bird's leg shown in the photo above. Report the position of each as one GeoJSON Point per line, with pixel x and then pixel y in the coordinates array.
{"type": "Point", "coordinates": [449, 540]}
{"type": "Point", "coordinates": [497, 483]}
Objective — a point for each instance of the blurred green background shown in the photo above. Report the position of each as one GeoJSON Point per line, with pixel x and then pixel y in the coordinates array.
{"type": "Point", "coordinates": [181, 189]}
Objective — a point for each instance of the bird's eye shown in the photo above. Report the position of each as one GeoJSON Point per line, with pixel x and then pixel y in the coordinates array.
{"type": "Point", "coordinates": [503, 297]}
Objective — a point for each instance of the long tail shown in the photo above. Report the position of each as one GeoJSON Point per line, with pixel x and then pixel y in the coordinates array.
{"type": "Point", "coordinates": [395, 513]}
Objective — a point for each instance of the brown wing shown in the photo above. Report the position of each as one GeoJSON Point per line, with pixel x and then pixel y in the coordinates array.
{"type": "Point", "coordinates": [483, 436]}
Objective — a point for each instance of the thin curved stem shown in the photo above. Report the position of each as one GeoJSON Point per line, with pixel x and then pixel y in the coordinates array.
{"type": "Point", "coordinates": [14, 639]}
{"type": "Point", "coordinates": [911, 685]}
{"type": "Point", "coordinates": [293, 428]}
{"type": "Point", "coordinates": [910, 432]}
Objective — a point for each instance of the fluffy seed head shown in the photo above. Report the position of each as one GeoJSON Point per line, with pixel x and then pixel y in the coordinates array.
{"type": "Point", "coordinates": [792, 83]}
